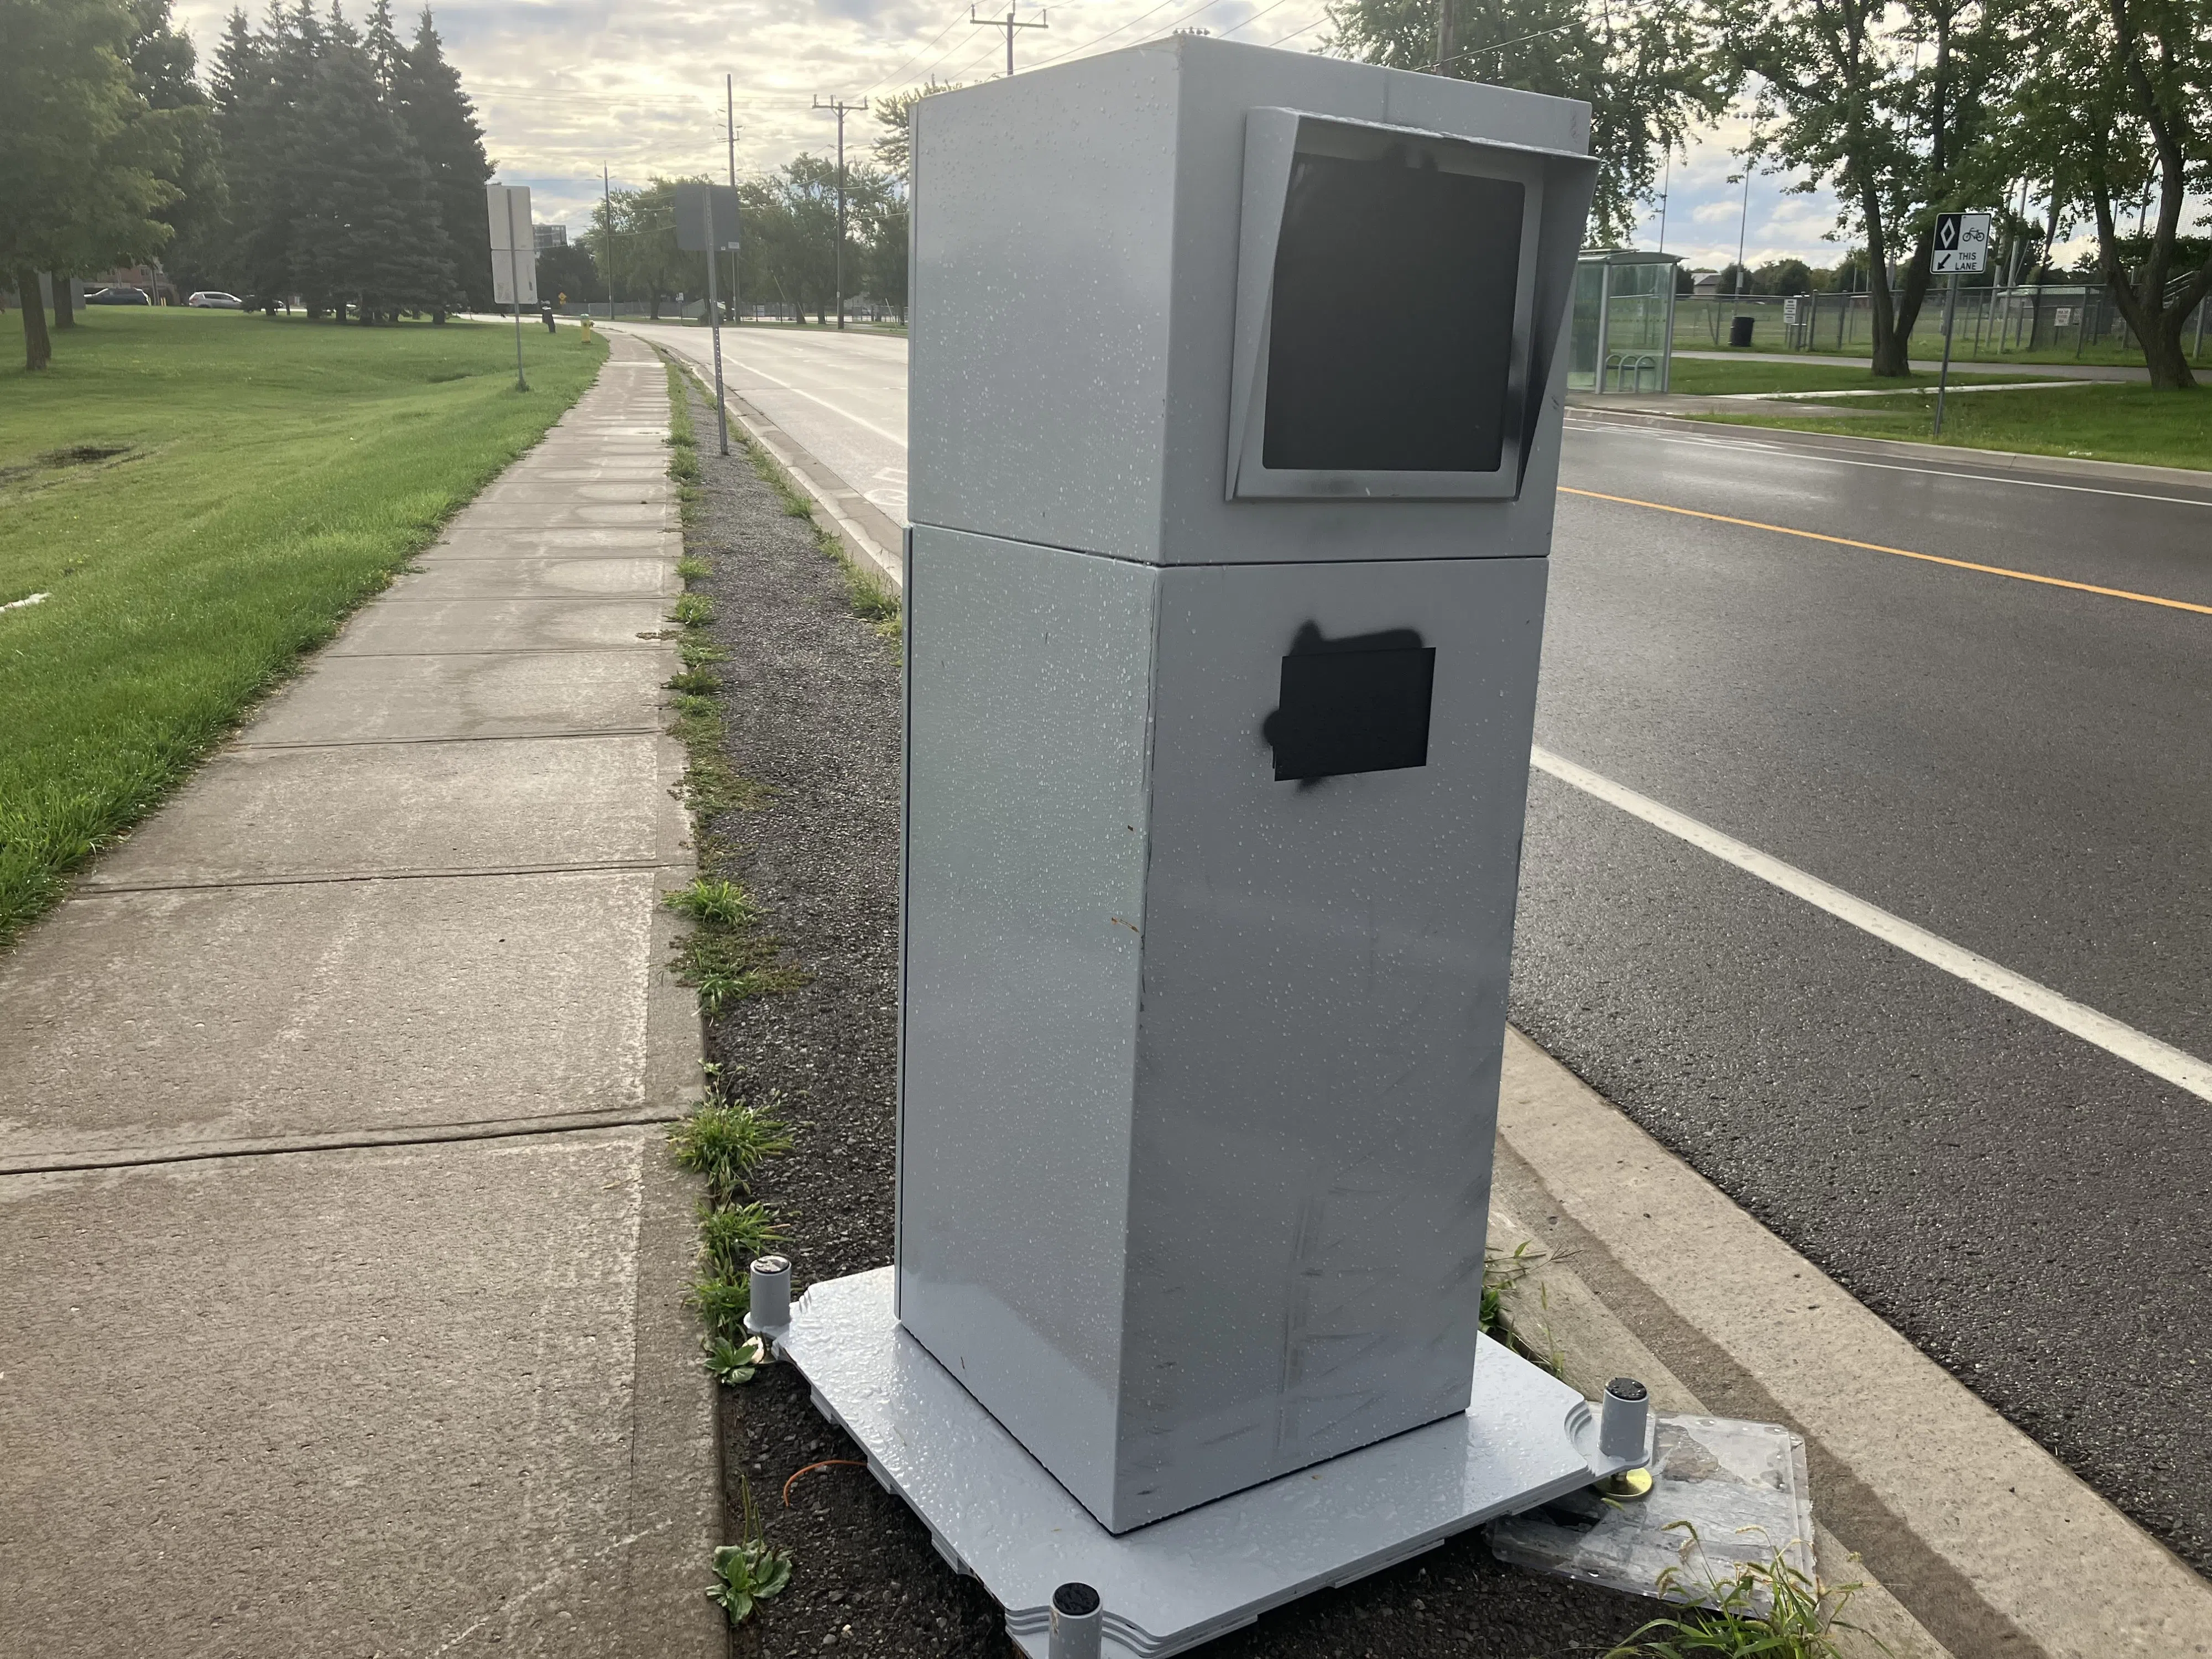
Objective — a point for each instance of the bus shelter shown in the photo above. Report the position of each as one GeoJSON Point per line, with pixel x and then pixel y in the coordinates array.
{"type": "Point", "coordinates": [1622, 333]}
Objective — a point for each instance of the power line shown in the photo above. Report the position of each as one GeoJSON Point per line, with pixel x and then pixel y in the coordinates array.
{"type": "Point", "coordinates": [1108, 35]}
{"type": "Point", "coordinates": [1254, 18]}
{"type": "Point", "coordinates": [901, 71]}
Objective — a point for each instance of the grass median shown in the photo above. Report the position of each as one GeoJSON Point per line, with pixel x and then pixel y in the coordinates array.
{"type": "Point", "coordinates": [202, 496]}
{"type": "Point", "coordinates": [2100, 421]}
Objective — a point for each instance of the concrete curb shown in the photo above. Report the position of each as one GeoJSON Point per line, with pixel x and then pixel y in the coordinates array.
{"type": "Point", "coordinates": [1552, 1311]}
{"type": "Point", "coordinates": [1841, 444]}
{"type": "Point", "coordinates": [1998, 1549]}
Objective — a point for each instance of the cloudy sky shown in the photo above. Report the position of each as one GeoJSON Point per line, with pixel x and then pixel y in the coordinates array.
{"type": "Point", "coordinates": [565, 86]}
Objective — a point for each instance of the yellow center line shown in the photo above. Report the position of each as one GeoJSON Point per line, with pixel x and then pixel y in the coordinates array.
{"type": "Point", "coordinates": [1899, 552]}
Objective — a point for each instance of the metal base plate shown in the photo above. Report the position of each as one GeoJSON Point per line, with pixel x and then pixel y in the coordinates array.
{"type": "Point", "coordinates": [993, 1511]}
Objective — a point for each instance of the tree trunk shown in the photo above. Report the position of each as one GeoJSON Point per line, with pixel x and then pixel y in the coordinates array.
{"type": "Point", "coordinates": [438, 315]}
{"type": "Point", "coordinates": [1912, 293]}
{"type": "Point", "coordinates": [1890, 359]}
{"type": "Point", "coordinates": [38, 350]}
{"type": "Point", "coordinates": [2163, 355]}
{"type": "Point", "coordinates": [64, 312]}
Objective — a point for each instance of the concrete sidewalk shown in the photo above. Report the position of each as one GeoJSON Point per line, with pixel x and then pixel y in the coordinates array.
{"type": "Point", "coordinates": [341, 1269]}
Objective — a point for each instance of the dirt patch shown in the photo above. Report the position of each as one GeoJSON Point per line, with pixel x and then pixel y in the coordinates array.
{"type": "Point", "coordinates": [812, 712]}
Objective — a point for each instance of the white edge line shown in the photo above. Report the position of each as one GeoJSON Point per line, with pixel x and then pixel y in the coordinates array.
{"type": "Point", "coordinates": [1794, 453]}
{"type": "Point", "coordinates": [2163, 1060]}
{"type": "Point", "coordinates": [730, 355]}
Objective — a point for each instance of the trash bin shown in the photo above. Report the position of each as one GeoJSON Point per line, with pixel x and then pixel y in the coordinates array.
{"type": "Point", "coordinates": [1740, 331]}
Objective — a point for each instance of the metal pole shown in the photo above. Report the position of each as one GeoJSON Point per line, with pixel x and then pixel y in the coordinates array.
{"type": "Point", "coordinates": [715, 320]}
{"type": "Point", "coordinates": [841, 217]}
{"type": "Point", "coordinates": [514, 283]}
{"type": "Point", "coordinates": [730, 132]}
{"type": "Point", "coordinates": [607, 237]}
{"type": "Point", "coordinates": [1942, 384]}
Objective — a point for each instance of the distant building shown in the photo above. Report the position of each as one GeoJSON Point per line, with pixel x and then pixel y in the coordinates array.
{"type": "Point", "coordinates": [1708, 284]}
{"type": "Point", "coordinates": [550, 236]}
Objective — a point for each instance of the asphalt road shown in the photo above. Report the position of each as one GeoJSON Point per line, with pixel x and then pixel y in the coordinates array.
{"type": "Point", "coordinates": [2022, 769]}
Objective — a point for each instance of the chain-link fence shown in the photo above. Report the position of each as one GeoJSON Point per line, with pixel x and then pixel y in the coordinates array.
{"type": "Point", "coordinates": [1993, 323]}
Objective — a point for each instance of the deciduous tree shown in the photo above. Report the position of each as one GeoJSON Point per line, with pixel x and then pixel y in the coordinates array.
{"type": "Point", "coordinates": [1650, 72]}
{"type": "Point", "coordinates": [2118, 105]}
{"type": "Point", "coordinates": [80, 159]}
{"type": "Point", "coordinates": [1892, 106]}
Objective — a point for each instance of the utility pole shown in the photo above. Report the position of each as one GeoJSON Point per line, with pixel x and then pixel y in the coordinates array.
{"type": "Point", "coordinates": [1666, 189]}
{"type": "Point", "coordinates": [1444, 40]}
{"type": "Point", "coordinates": [730, 132]}
{"type": "Point", "coordinates": [841, 109]}
{"type": "Point", "coordinates": [1007, 24]}
{"type": "Point", "coordinates": [607, 234]}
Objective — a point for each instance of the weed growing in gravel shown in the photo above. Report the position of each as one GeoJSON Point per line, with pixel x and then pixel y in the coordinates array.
{"type": "Point", "coordinates": [1502, 1274]}
{"type": "Point", "coordinates": [693, 568]}
{"type": "Point", "coordinates": [731, 1236]}
{"type": "Point", "coordinates": [714, 786]}
{"type": "Point", "coordinates": [693, 611]}
{"type": "Point", "coordinates": [1723, 1620]}
{"type": "Point", "coordinates": [733, 1363]}
{"type": "Point", "coordinates": [727, 967]}
{"type": "Point", "coordinates": [718, 903]}
{"type": "Point", "coordinates": [750, 1570]}
{"type": "Point", "coordinates": [699, 682]}
{"type": "Point", "coordinates": [722, 1302]}
{"type": "Point", "coordinates": [726, 1142]}
{"type": "Point", "coordinates": [874, 600]}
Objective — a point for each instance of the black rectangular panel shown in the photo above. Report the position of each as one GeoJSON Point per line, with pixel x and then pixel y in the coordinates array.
{"type": "Point", "coordinates": [1352, 711]}
{"type": "Point", "coordinates": [1391, 331]}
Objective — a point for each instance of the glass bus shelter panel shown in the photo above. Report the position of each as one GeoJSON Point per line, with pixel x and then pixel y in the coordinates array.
{"type": "Point", "coordinates": [1583, 327]}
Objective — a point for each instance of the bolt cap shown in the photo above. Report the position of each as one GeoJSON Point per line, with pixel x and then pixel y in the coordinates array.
{"type": "Point", "coordinates": [1073, 1601]}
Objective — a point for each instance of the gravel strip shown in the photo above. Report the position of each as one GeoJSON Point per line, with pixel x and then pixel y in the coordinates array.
{"type": "Point", "coordinates": [812, 713]}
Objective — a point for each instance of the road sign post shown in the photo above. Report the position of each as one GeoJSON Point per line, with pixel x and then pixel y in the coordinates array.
{"type": "Point", "coordinates": [507, 210]}
{"type": "Point", "coordinates": [1962, 248]}
{"type": "Point", "coordinates": [706, 223]}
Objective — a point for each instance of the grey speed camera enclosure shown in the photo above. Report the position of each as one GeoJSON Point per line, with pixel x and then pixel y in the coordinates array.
{"type": "Point", "coordinates": [1235, 406]}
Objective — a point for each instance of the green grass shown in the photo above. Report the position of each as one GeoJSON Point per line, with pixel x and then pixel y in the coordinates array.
{"type": "Point", "coordinates": [259, 479]}
{"type": "Point", "coordinates": [725, 1143]}
{"type": "Point", "coordinates": [1707, 378]}
{"type": "Point", "coordinates": [2105, 422]}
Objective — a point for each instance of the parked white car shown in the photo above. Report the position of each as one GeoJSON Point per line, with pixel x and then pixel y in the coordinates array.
{"type": "Point", "coordinates": [214, 299]}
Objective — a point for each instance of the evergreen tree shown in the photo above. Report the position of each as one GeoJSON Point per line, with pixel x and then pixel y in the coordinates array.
{"type": "Point", "coordinates": [385, 54]}
{"type": "Point", "coordinates": [369, 236]}
{"type": "Point", "coordinates": [441, 122]}
{"type": "Point", "coordinates": [163, 65]}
